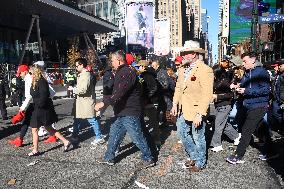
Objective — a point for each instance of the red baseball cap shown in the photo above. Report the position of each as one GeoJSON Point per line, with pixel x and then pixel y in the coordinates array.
{"type": "Point", "coordinates": [22, 68]}
{"type": "Point", "coordinates": [274, 65]}
{"type": "Point", "coordinates": [129, 59]}
{"type": "Point", "coordinates": [178, 59]}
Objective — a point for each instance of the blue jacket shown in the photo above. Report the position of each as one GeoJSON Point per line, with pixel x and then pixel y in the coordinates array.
{"type": "Point", "coordinates": [257, 88]}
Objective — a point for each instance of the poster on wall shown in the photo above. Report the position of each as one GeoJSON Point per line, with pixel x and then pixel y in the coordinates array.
{"type": "Point", "coordinates": [139, 24]}
{"type": "Point", "coordinates": [240, 18]}
{"type": "Point", "coordinates": [162, 37]}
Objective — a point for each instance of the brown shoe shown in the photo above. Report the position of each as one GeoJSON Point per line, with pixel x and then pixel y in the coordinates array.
{"type": "Point", "coordinates": [194, 169]}
{"type": "Point", "coordinates": [189, 163]}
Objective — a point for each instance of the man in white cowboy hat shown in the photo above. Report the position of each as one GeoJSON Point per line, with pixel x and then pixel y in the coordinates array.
{"type": "Point", "coordinates": [193, 94]}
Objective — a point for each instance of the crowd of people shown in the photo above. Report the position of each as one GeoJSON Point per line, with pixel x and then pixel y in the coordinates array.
{"type": "Point", "coordinates": [182, 96]}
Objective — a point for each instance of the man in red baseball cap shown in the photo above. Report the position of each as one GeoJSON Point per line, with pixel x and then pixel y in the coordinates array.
{"type": "Point", "coordinates": [22, 70]}
{"type": "Point", "coordinates": [27, 107]}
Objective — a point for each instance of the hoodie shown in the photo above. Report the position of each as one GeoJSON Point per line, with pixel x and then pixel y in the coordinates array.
{"type": "Point", "coordinates": [256, 82]}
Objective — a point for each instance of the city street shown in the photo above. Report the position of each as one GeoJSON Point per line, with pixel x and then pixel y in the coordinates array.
{"type": "Point", "coordinates": [217, 64]}
{"type": "Point", "coordinates": [78, 168]}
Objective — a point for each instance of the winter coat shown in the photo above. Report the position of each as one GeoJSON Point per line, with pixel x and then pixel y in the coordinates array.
{"type": "Point", "coordinates": [149, 87]}
{"type": "Point", "coordinates": [93, 83]}
{"type": "Point", "coordinates": [44, 113]}
{"type": "Point", "coordinates": [221, 87]}
{"type": "Point", "coordinates": [108, 81]}
{"type": "Point", "coordinates": [162, 77]}
{"type": "Point", "coordinates": [256, 82]}
{"type": "Point", "coordinates": [126, 94]}
{"type": "Point", "coordinates": [85, 103]}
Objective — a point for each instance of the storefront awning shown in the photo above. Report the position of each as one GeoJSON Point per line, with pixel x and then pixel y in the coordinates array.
{"type": "Point", "coordinates": [57, 20]}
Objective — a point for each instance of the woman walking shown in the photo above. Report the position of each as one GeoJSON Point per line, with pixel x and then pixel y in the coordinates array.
{"type": "Point", "coordinates": [44, 113]}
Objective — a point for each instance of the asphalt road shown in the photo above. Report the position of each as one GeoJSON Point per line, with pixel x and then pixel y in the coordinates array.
{"type": "Point", "coordinates": [78, 168]}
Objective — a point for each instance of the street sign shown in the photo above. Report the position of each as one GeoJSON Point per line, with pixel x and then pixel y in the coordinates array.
{"type": "Point", "coordinates": [271, 18]}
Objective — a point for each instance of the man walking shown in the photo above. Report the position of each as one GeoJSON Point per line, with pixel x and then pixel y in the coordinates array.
{"type": "Point", "coordinates": [255, 89]}
{"type": "Point", "coordinates": [278, 96]}
{"type": "Point", "coordinates": [126, 101]}
{"type": "Point", "coordinates": [193, 93]}
{"type": "Point", "coordinates": [85, 103]}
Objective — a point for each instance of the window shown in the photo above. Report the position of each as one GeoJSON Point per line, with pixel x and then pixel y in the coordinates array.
{"type": "Point", "coordinates": [99, 10]}
{"type": "Point", "coordinates": [105, 9]}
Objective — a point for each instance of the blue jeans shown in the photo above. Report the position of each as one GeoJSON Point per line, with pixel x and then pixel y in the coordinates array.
{"type": "Point", "coordinates": [193, 140]}
{"type": "Point", "coordinates": [92, 121]}
{"type": "Point", "coordinates": [132, 125]}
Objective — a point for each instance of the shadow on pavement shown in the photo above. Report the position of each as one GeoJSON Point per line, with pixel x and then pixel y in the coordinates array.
{"type": "Point", "coordinates": [8, 130]}
{"type": "Point", "coordinates": [277, 163]}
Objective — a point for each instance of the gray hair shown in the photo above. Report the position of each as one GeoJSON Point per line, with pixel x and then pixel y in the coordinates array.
{"type": "Point", "coordinates": [120, 55]}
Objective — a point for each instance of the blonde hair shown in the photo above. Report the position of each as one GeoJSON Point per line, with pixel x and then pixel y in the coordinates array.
{"type": "Point", "coordinates": [36, 75]}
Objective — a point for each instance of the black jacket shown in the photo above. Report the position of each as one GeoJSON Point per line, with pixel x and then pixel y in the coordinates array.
{"type": "Point", "coordinates": [126, 94]}
{"type": "Point", "coordinates": [278, 89]}
{"type": "Point", "coordinates": [222, 82]}
{"type": "Point", "coordinates": [149, 87]}
{"type": "Point", "coordinates": [44, 113]}
{"type": "Point", "coordinates": [162, 77]}
{"type": "Point", "coordinates": [93, 83]}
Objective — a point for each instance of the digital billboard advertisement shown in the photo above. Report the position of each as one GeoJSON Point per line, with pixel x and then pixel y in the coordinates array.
{"type": "Point", "coordinates": [240, 18]}
{"type": "Point", "coordinates": [140, 24]}
{"type": "Point", "coordinates": [162, 37]}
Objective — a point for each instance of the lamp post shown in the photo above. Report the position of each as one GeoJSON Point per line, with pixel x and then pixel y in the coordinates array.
{"type": "Point", "coordinates": [254, 25]}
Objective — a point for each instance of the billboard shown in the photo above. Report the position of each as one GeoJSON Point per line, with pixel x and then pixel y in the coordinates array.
{"type": "Point", "coordinates": [240, 18]}
{"type": "Point", "coordinates": [139, 24]}
{"type": "Point", "coordinates": [162, 37]}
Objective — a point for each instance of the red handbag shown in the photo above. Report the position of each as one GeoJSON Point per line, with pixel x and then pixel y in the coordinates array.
{"type": "Point", "coordinates": [18, 117]}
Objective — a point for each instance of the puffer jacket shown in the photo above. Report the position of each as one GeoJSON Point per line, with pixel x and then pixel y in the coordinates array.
{"type": "Point", "coordinates": [256, 82]}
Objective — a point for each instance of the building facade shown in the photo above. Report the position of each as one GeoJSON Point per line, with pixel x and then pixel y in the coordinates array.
{"type": "Point", "coordinates": [105, 9]}
{"type": "Point", "coordinates": [204, 21]}
{"type": "Point", "coordinates": [194, 13]}
{"type": "Point", "coordinates": [108, 10]}
{"type": "Point", "coordinates": [204, 37]}
{"type": "Point", "coordinates": [224, 20]}
{"type": "Point", "coordinates": [175, 11]}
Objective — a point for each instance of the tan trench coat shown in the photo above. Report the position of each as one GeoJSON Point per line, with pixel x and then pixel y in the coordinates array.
{"type": "Point", "coordinates": [85, 103]}
{"type": "Point", "coordinates": [194, 95]}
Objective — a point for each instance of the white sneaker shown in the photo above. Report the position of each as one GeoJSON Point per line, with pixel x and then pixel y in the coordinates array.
{"type": "Point", "coordinates": [42, 131]}
{"type": "Point", "coordinates": [217, 149]}
{"type": "Point", "coordinates": [98, 141]}
{"type": "Point", "coordinates": [237, 140]}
